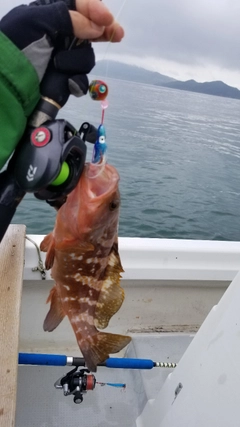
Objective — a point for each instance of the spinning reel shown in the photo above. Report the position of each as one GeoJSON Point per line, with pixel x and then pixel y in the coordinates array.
{"type": "Point", "coordinates": [76, 382]}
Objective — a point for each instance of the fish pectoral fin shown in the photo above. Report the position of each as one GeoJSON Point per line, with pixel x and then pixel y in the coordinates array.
{"type": "Point", "coordinates": [56, 313]}
{"type": "Point", "coordinates": [97, 348]}
{"type": "Point", "coordinates": [111, 296]}
{"type": "Point", "coordinates": [46, 242]}
{"type": "Point", "coordinates": [48, 245]}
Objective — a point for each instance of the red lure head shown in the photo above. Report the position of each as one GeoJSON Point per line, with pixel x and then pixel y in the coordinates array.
{"type": "Point", "coordinates": [98, 90]}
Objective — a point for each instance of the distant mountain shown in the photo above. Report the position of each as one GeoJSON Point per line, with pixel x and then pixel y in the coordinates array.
{"type": "Point", "coordinates": [216, 88]}
{"type": "Point", "coordinates": [118, 70]}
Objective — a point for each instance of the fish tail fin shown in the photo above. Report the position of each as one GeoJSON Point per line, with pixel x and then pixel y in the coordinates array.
{"type": "Point", "coordinates": [96, 348]}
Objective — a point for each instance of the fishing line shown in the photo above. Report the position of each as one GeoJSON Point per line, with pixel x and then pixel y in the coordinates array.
{"type": "Point", "coordinates": [109, 43]}
{"type": "Point", "coordinates": [98, 91]}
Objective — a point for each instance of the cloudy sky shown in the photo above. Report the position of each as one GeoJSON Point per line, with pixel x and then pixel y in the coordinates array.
{"type": "Point", "coordinates": [184, 39]}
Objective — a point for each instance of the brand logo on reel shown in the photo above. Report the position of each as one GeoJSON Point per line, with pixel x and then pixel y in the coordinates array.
{"type": "Point", "coordinates": [31, 173]}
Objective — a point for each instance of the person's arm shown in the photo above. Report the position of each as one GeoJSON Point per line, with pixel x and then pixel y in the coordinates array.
{"type": "Point", "coordinates": [31, 36]}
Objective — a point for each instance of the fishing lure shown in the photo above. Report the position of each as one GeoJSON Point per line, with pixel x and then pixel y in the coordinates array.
{"type": "Point", "coordinates": [118, 385]}
{"type": "Point", "coordinates": [100, 146]}
{"type": "Point", "coordinates": [98, 91]}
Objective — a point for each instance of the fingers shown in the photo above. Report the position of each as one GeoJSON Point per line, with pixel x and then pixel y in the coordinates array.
{"type": "Point", "coordinates": [83, 28]}
{"type": "Point", "coordinates": [114, 33]}
{"type": "Point", "coordinates": [93, 21]}
{"type": "Point", "coordinates": [95, 11]}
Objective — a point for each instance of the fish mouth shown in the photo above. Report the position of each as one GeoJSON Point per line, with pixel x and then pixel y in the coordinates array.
{"type": "Point", "coordinates": [102, 179]}
{"type": "Point", "coordinates": [95, 169]}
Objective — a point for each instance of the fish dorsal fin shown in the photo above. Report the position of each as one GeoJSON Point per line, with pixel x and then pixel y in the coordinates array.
{"type": "Point", "coordinates": [48, 245]}
{"type": "Point", "coordinates": [56, 313]}
{"type": "Point", "coordinates": [112, 295]}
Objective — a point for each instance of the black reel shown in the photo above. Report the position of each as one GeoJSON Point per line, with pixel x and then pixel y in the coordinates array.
{"type": "Point", "coordinates": [76, 383]}
{"type": "Point", "coordinates": [50, 160]}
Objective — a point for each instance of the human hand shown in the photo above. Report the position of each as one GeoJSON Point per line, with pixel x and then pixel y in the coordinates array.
{"type": "Point", "coordinates": [37, 39]}
{"type": "Point", "coordinates": [43, 31]}
{"type": "Point", "coordinates": [93, 21]}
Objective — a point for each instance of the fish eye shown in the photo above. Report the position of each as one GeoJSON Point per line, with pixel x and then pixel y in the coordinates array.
{"type": "Point", "coordinates": [113, 205]}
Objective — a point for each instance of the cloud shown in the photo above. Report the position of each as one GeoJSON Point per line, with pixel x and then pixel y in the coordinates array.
{"type": "Point", "coordinates": [183, 38]}
{"type": "Point", "coordinates": [200, 36]}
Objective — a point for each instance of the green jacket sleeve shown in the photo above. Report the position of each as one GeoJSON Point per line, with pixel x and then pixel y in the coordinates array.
{"type": "Point", "coordinates": [19, 94]}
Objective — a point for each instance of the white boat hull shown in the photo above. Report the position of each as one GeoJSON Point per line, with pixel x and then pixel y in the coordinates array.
{"type": "Point", "coordinates": [170, 288]}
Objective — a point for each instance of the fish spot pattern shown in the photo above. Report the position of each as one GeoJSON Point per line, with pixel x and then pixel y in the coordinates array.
{"type": "Point", "coordinates": [88, 301]}
{"type": "Point", "coordinates": [83, 317]}
{"type": "Point", "coordinates": [87, 268]}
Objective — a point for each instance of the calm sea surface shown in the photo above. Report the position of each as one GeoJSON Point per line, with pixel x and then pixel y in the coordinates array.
{"type": "Point", "coordinates": [178, 155]}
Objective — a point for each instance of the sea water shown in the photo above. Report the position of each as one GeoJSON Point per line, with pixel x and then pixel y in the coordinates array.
{"type": "Point", "coordinates": [178, 156]}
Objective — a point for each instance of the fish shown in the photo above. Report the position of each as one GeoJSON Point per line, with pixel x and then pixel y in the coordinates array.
{"type": "Point", "coordinates": [82, 252]}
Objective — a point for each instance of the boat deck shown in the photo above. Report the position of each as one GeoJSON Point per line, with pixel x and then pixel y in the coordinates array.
{"type": "Point", "coordinates": [170, 288]}
{"type": "Point", "coordinates": [39, 404]}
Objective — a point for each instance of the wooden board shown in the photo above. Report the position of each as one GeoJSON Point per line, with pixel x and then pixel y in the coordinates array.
{"type": "Point", "coordinates": [11, 276]}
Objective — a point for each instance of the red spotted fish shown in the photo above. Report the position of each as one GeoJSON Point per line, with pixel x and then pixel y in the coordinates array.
{"type": "Point", "coordinates": [82, 251]}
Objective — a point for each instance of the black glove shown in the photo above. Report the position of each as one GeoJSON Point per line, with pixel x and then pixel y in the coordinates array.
{"type": "Point", "coordinates": [71, 4]}
{"type": "Point", "coordinates": [43, 31]}
{"type": "Point", "coordinates": [62, 76]}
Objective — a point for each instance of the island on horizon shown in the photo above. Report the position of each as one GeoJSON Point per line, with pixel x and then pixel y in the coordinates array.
{"type": "Point", "coordinates": [119, 70]}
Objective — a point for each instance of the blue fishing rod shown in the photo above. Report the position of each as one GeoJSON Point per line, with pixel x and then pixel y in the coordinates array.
{"type": "Point", "coordinates": [79, 381]}
{"type": "Point", "coordinates": [112, 362]}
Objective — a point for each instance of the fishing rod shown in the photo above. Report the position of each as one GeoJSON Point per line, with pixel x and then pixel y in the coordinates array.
{"type": "Point", "coordinates": [79, 381]}
{"type": "Point", "coordinates": [112, 362]}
